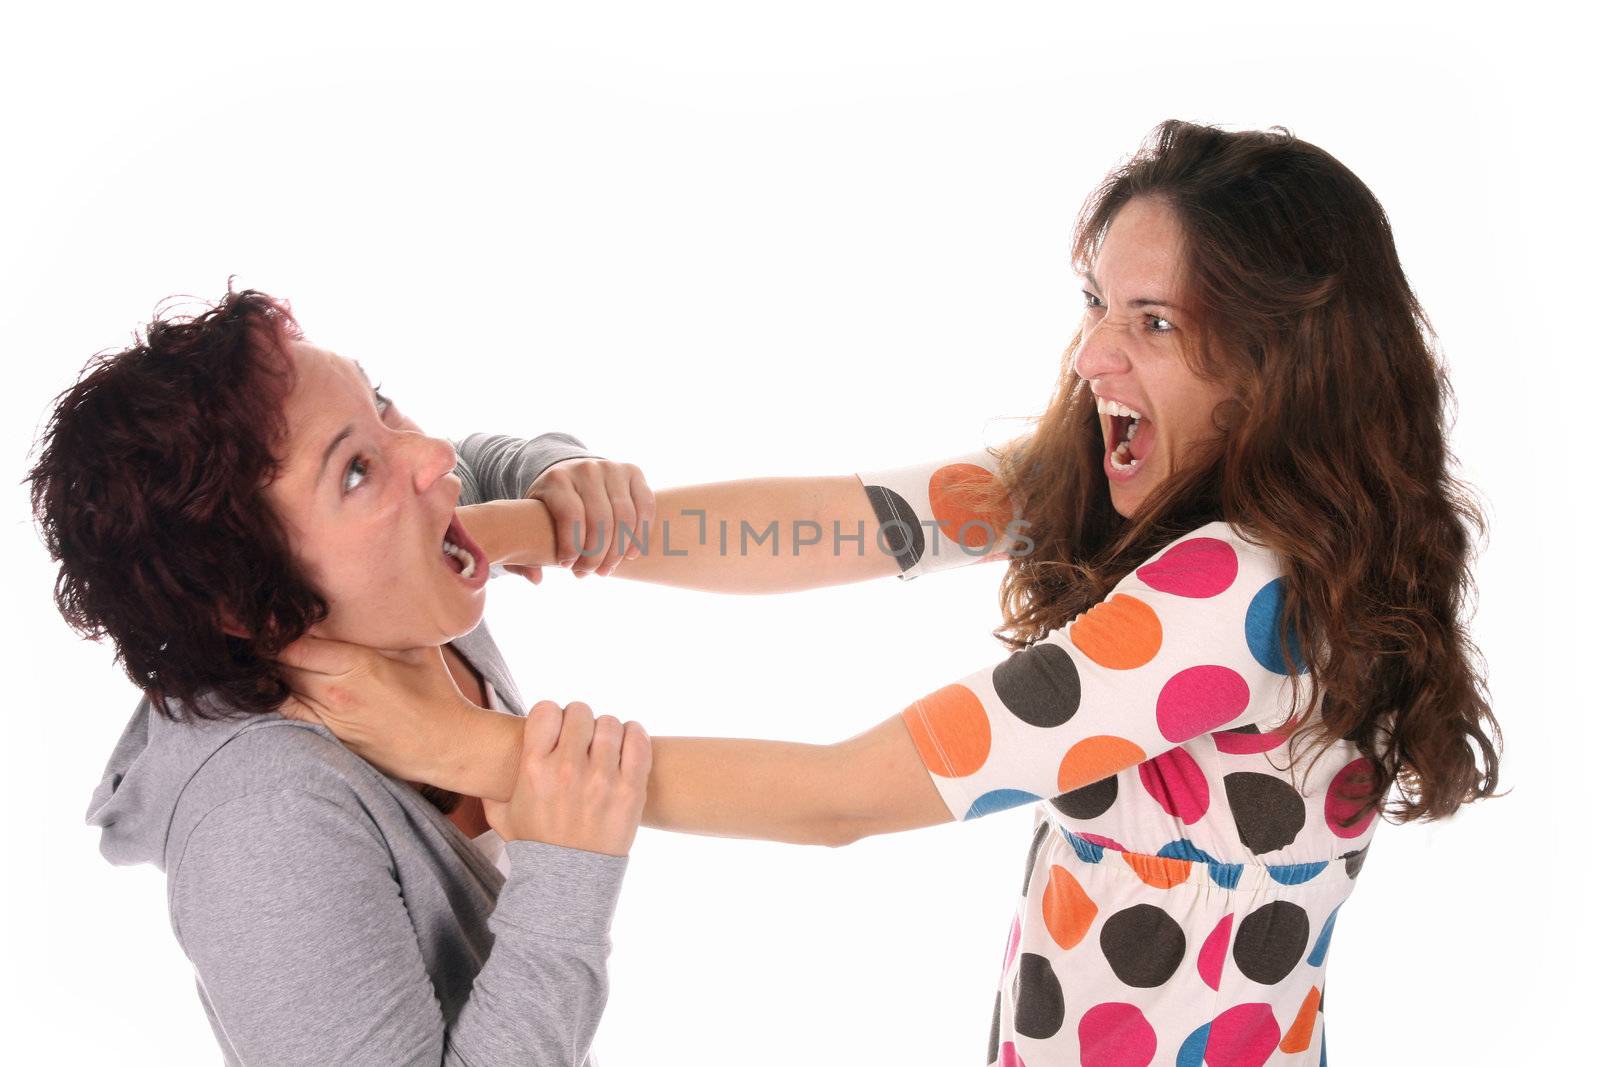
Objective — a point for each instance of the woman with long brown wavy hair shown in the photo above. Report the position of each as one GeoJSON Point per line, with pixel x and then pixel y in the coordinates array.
{"type": "Point", "coordinates": [1237, 579]}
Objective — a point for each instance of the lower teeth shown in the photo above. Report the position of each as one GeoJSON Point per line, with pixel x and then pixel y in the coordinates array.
{"type": "Point", "coordinates": [1122, 459]}
{"type": "Point", "coordinates": [468, 564]}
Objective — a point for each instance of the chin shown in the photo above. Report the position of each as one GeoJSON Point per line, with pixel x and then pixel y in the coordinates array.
{"type": "Point", "coordinates": [466, 622]}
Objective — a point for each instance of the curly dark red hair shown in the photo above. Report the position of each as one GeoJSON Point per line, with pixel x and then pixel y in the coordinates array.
{"type": "Point", "coordinates": [148, 489]}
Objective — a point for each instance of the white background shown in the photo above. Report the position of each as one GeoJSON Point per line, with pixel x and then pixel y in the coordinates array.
{"type": "Point", "coordinates": [722, 241]}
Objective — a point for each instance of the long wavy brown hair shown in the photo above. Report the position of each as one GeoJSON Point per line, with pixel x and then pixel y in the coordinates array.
{"type": "Point", "coordinates": [1332, 454]}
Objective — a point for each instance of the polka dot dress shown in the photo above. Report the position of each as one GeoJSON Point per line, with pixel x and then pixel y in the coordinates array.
{"type": "Point", "coordinates": [1180, 891]}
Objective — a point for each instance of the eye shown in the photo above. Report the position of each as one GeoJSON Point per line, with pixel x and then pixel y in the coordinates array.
{"type": "Point", "coordinates": [1165, 325]}
{"type": "Point", "coordinates": [358, 466]}
{"type": "Point", "coordinates": [1090, 300]}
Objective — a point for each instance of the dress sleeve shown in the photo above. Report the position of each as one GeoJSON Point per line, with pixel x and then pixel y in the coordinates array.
{"type": "Point", "coordinates": [288, 906]}
{"type": "Point", "coordinates": [1186, 644]}
{"type": "Point", "coordinates": [497, 467]}
{"type": "Point", "coordinates": [928, 521]}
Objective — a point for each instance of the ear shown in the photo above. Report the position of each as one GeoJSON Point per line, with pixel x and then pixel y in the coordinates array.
{"type": "Point", "coordinates": [229, 624]}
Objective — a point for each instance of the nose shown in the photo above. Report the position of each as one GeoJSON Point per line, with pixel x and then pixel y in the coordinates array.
{"type": "Point", "coordinates": [1100, 352]}
{"type": "Point", "coordinates": [432, 458]}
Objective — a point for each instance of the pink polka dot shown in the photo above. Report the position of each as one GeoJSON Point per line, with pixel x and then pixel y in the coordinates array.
{"type": "Point", "coordinates": [1199, 568]}
{"type": "Point", "coordinates": [1199, 700]}
{"type": "Point", "coordinates": [1011, 943]}
{"type": "Point", "coordinates": [1242, 1036]}
{"type": "Point", "coordinates": [1339, 805]}
{"type": "Point", "coordinates": [1177, 783]}
{"type": "Point", "coordinates": [1248, 744]}
{"type": "Point", "coordinates": [1214, 953]}
{"type": "Point", "coordinates": [1102, 841]}
{"type": "Point", "coordinates": [1009, 1057]}
{"type": "Point", "coordinates": [1115, 1035]}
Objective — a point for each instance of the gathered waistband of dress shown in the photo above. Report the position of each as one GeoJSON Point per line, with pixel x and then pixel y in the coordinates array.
{"type": "Point", "coordinates": [1181, 861]}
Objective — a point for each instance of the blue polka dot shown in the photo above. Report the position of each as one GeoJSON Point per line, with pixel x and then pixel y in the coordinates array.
{"type": "Point", "coordinates": [1226, 875]}
{"type": "Point", "coordinates": [1261, 631]}
{"type": "Point", "coordinates": [1294, 873]}
{"type": "Point", "coordinates": [998, 800]}
{"type": "Point", "coordinates": [1087, 851]}
{"type": "Point", "coordinates": [1193, 1050]}
{"type": "Point", "coordinates": [1319, 951]}
{"type": "Point", "coordinates": [1184, 849]}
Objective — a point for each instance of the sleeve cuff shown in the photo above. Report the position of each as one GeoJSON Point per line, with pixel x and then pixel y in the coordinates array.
{"type": "Point", "coordinates": [940, 515]}
{"type": "Point", "coordinates": [556, 891]}
{"type": "Point", "coordinates": [502, 467]}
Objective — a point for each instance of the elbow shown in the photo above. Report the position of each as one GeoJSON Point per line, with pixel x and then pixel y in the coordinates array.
{"type": "Point", "coordinates": [843, 831]}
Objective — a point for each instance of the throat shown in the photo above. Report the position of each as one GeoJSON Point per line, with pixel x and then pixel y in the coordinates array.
{"type": "Point", "coordinates": [467, 680]}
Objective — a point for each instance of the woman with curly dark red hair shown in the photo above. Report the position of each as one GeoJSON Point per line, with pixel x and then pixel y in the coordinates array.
{"type": "Point", "coordinates": [1246, 549]}
{"type": "Point", "coordinates": [216, 491]}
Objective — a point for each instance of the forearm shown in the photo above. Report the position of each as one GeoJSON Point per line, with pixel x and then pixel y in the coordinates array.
{"type": "Point", "coordinates": [762, 535]}
{"type": "Point", "coordinates": [873, 783]}
{"type": "Point", "coordinates": [729, 787]}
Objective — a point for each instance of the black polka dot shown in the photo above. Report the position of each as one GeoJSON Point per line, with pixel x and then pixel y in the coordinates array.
{"type": "Point", "coordinates": [1353, 861]}
{"type": "Point", "coordinates": [1040, 1006]}
{"type": "Point", "coordinates": [1271, 941]}
{"type": "Point", "coordinates": [1039, 834]}
{"type": "Point", "coordinates": [1039, 685]}
{"type": "Point", "coordinates": [899, 530]}
{"type": "Point", "coordinates": [1088, 802]}
{"type": "Point", "coordinates": [1143, 944]}
{"type": "Point", "coordinates": [1267, 811]}
{"type": "Point", "coordinates": [994, 1032]}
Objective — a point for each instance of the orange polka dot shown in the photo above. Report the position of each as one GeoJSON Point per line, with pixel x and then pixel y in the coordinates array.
{"type": "Point", "coordinates": [1095, 758]}
{"type": "Point", "coordinates": [951, 491]}
{"type": "Point", "coordinates": [950, 730]}
{"type": "Point", "coordinates": [1298, 1039]}
{"type": "Point", "coordinates": [1068, 911]}
{"type": "Point", "coordinates": [1161, 872]}
{"type": "Point", "coordinates": [1122, 633]}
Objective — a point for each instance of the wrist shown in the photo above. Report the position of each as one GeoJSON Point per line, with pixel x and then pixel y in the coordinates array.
{"type": "Point", "coordinates": [477, 753]}
{"type": "Point", "coordinates": [512, 531]}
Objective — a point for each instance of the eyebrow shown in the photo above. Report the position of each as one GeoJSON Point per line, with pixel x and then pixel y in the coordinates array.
{"type": "Point", "coordinates": [333, 445]}
{"type": "Point", "coordinates": [1139, 302]}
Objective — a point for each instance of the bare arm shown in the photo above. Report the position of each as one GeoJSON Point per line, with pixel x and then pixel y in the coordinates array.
{"type": "Point", "coordinates": [759, 535]}
{"type": "Point", "coordinates": [874, 783]}
{"type": "Point", "coordinates": [762, 535]}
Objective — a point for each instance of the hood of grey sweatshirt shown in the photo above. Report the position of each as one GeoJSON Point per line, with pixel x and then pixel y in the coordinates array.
{"type": "Point", "coordinates": [156, 757]}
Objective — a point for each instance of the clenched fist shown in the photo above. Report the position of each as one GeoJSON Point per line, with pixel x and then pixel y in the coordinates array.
{"type": "Point", "coordinates": [580, 783]}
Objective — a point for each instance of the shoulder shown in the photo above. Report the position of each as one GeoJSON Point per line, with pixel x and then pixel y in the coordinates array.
{"type": "Point", "coordinates": [270, 778]}
{"type": "Point", "coordinates": [1217, 560]}
{"type": "Point", "coordinates": [1213, 595]}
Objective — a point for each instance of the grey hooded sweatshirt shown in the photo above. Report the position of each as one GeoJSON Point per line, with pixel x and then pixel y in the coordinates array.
{"type": "Point", "coordinates": [335, 916]}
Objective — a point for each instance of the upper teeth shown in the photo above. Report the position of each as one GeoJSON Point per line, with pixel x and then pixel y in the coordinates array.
{"type": "Point", "coordinates": [1112, 407]}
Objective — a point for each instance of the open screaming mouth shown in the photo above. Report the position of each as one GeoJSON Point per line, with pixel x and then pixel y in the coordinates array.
{"type": "Point", "coordinates": [1125, 425]}
{"type": "Point", "coordinates": [460, 559]}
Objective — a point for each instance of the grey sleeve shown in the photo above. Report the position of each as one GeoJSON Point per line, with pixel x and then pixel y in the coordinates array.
{"type": "Point", "coordinates": [287, 906]}
{"type": "Point", "coordinates": [497, 467]}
